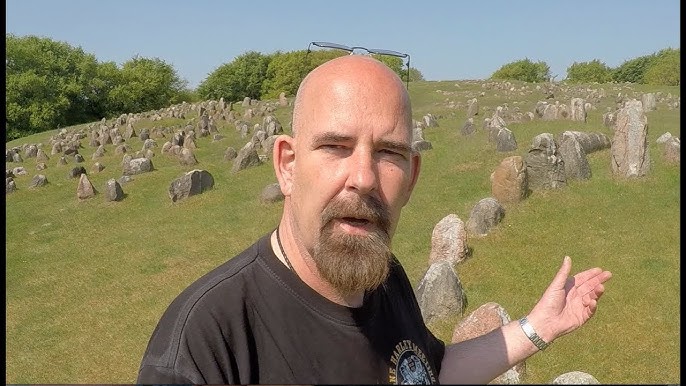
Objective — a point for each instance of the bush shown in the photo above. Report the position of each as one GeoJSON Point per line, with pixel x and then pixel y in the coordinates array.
{"type": "Point", "coordinates": [523, 70]}
{"type": "Point", "coordinates": [632, 71]}
{"type": "Point", "coordinates": [237, 79]}
{"type": "Point", "coordinates": [665, 68]}
{"type": "Point", "coordinates": [587, 72]}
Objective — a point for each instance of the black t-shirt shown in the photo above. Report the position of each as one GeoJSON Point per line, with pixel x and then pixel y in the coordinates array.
{"type": "Point", "coordinates": [252, 320]}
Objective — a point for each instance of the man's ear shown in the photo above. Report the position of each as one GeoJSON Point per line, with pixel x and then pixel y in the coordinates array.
{"type": "Point", "coordinates": [283, 156]}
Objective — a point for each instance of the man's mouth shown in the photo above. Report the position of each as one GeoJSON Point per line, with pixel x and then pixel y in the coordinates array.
{"type": "Point", "coordinates": [355, 225]}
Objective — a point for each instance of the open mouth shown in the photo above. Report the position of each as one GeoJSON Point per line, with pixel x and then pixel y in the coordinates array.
{"type": "Point", "coordinates": [355, 225]}
{"type": "Point", "coordinates": [356, 221]}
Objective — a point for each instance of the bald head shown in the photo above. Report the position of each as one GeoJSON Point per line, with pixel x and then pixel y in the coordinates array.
{"type": "Point", "coordinates": [346, 78]}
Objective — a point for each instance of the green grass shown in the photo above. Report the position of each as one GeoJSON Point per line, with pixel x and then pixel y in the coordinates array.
{"type": "Point", "coordinates": [87, 281]}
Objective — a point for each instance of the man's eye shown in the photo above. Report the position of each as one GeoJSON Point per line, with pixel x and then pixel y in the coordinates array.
{"type": "Point", "coordinates": [333, 147]}
{"type": "Point", "coordinates": [392, 153]}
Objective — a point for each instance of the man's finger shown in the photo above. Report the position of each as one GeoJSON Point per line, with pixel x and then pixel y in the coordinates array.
{"type": "Point", "coordinates": [563, 273]}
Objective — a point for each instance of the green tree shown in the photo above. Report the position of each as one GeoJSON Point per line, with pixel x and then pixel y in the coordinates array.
{"type": "Point", "coordinates": [238, 79]}
{"type": "Point", "coordinates": [144, 84]}
{"type": "Point", "coordinates": [633, 70]}
{"type": "Point", "coordinates": [665, 69]}
{"type": "Point", "coordinates": [586, 72]}
{"type": "Point", "coordinates": [45, 83]}
{"type": "Point", "coordinates": [415, 74]}
{"type": "Point", "coordinates": [523, 70]}
{"type": "Point", "coordinates": [284, 73]}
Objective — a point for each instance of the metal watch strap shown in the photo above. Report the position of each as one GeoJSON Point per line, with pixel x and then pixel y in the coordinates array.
{"type": "Point", "coordinates": [532, 335]}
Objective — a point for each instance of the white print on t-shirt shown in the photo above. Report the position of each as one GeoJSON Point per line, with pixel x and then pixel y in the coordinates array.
{"type": "Point", "coordinates": [410, 366]}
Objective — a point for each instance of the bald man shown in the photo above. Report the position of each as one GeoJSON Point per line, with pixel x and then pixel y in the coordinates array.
{"type": "Point", "coordinates": [322, 299]}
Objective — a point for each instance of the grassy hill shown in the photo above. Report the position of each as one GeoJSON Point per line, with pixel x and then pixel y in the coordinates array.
{"type": "Point", "coordinates": [87, 281]}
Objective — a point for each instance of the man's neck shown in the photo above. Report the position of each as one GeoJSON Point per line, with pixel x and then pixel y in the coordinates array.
{"type": "Point", "coordinates": [306, 269]}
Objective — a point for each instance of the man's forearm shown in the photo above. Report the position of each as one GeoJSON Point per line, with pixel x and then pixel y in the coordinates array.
{"type": "Point", "coordinates": [482, 359]}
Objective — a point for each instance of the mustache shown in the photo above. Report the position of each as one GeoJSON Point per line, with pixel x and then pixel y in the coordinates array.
{"type": "Point", "coordinates": [366, 207]}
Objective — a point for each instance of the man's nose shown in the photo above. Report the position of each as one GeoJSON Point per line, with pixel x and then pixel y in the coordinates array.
{"type": "Point", "coordinates": [363, 173]}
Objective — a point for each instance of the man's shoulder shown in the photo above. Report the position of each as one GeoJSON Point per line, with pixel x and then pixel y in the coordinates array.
{"type": "Point", "coordinates": [231, 273]}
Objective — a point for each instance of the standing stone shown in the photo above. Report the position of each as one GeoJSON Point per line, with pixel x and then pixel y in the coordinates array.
{"type": "Point", "coordinates": [609, 119]}
{"type": "Point", "coordinates": [85, 189]}
{"type": "Point", "coordinates": [76, 171]}
{"type": "Point", "coordinates": [440, 292]}
{"type": "Point", "coordinates": [97, 167]}
{"type": "Point", "coordinates": [41, 156]}
{"type": "Point", "coordinates": [578, 110]}
{"type": "Point", "coordinates": [575, 378]}
{"type": "Point", "coordinates": [421, 145]}
{"type": "Point", "coordinates": [449, 241]}
{"type": "Point", "coordinates": [99, 152]}
{"type": "Point", "coordinates": [194, 182]}
{"type": "Point", "coordinates": [38, 181]}
{"type": "Point", "coordinates": [230, 154]}
{"type": "Point", "coordinates": [31, 151]}
{"type": "Point", "coordinates": [10, 185]}
{"type": "Point", "coordinates": [544, 166]}
{"type": "Point", "coordinates": [247, 157]}
{"type": "Point", "coordinates": [56, 148]}
{"type": "Point", "coordinates": [574, 158]}
{"type": "Point", "coordinates": [113, 190]}
{"type": "Point", "coordinates": [672, 151]}
{"type": "Point", "coordinates": [505, 140]}
{"type": "Point", "coordinates": [509, 183]}
{"type": "Point", "coordinates": [468, 127]}
{"type": "Point", "coordinates": [630, 156]}
{"type": "Point", "coordinates": [472, 108]}
{"type": "Point", "coordinates": [430, 120]}
{"type": "Point", "coordinates": [486, 214]}
{"type": "Point", "coordinates": [271, 193]}
{"type": "Point", "coordinates": [246, 102]}
{"type": "Point", "coordinates": [648, 102]}
{"type": "Point", "coordinates": [122, 149]}
{"type": "Point", "coordinates": [137, 166]}
{"type": "Point", "coordinates": [549, 113]}
{"type": "Point", "coordinates": [283, 102]}
{"type": "Point", "coordinates": [664, 138]}
{"type": "Point", "coordinates": [483, 320]}
{"type": "Point", "coordinates": [187, 158]}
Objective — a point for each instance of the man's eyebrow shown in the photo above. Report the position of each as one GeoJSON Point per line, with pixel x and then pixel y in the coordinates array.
{"type": "Point", "coordinates": [333, 137]}
{"type": "Point", "coordinates": [328, 137]}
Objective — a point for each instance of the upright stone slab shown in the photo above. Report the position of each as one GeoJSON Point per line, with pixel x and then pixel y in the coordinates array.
{"type": "Point", "coordinates": [505, 140]}
{"type": "Point", "coordinates": [449, 241]}
{"type": "Point", "coordinates": [544, 165]}
{"type": "Point", "coordinates": [440, 293]}
{"type": "Point", "coordinates": [509, 183]}
{"type": "Point", "coordinates": [247, 157]}
{"type": "Point", "coordinates": [113, 190]}
{"type": "Point", "coordinates": [630, 155]}
{"type": "Point", "coordinates": [483, 320]}
{"type": "Point", "coordinates": [648, 101]}
{"type": "Point", "coordinates": [85, 188]}
{"type": "Point", "coordinates": [577, 110]}
{"type": "Point", "coordinates": [574, 158]}
{"type": "Point", "coordinates": [486, 214]}
{"type": "Point", "coordinates": [194, 182]}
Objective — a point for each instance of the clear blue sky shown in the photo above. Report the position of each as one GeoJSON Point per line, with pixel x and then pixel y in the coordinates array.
{"type": "Point", "coordinates": [447, 40]}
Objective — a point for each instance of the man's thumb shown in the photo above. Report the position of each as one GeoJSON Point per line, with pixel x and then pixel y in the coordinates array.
{"type": "Point", "coordinates": [563, 273]}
